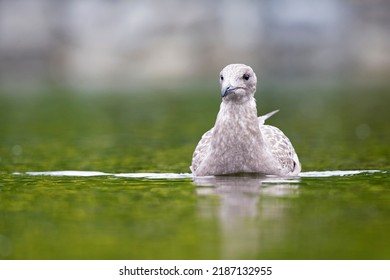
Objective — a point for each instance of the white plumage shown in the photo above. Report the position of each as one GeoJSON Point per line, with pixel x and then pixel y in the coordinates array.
{"type": "Point", "coordinates": [240, 142]}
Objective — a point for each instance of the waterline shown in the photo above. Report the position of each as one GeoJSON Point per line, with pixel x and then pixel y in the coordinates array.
{"type": "Point", "coordinates": [269, 179]}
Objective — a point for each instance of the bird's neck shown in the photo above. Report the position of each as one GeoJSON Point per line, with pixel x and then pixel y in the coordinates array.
{"type": "Point", "coordinates": [237, 114]}
{"type": "Point", "coordinates": [237, 125]}
{"type": "Point", "coordinates": [237, 143]}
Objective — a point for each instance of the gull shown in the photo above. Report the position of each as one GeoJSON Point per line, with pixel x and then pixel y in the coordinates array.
{"type": "Point", "coordinates": [240, 142]}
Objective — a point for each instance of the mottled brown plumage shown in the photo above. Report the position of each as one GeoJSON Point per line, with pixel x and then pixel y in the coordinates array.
{"type": "Point", "coordinates": [240, 142]}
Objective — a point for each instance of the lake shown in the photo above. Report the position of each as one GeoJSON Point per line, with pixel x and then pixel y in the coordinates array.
{"type": "Point", "coordinates": [106, 176]}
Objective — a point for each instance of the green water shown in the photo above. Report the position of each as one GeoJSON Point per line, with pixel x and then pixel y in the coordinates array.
{"type": "Point", "coordinates": [111, 217]}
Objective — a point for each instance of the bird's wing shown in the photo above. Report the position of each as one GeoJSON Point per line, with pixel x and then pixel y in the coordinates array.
{"type": "Point", "coordinates": [280, 146]}
{"type": "Point", "coordinates": [201, 150]}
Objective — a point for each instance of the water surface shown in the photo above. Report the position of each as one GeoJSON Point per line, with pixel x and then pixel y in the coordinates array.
{"type": "Point", "coordinates": [107, 177]}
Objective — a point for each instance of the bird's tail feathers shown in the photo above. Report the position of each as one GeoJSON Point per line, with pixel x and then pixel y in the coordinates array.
{"type": "Point", "coordinates": [263, 118]}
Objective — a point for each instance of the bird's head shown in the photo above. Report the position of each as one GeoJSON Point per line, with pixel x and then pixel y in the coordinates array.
{"type": "Point", "coordinates": [238, 81]}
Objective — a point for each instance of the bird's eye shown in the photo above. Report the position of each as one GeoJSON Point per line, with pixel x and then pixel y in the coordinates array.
{"type": "Point", "coordinates": [221, 78]}
{"type": "Point", "coordinates": [246, 76]}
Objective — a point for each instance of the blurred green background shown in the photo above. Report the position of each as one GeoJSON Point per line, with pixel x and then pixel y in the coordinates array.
{"type": "Point", "coordinates": [130, 87]}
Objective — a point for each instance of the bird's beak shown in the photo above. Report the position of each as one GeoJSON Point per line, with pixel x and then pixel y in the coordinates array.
{"type": "Point", "coordinates": [226, 90]}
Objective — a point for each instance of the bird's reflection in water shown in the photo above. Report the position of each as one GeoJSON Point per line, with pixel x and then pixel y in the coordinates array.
{"type": "Point", "coordinates": [249, 208]}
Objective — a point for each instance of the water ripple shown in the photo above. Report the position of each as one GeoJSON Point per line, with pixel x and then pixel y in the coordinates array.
{"type": "Point", "coordinates": [269, 179]}
{"type": "Point", "coordinates": [340, 173]}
